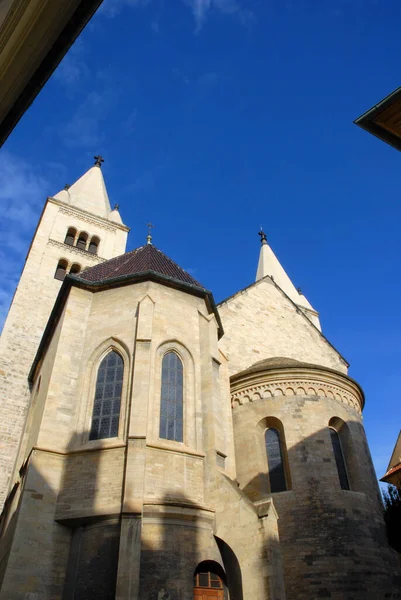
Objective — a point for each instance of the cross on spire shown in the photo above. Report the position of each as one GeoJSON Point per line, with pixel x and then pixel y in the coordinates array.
{"type": "Point", "coordinates": [99, 160]}
{"type": "Point", "coordinates": [263, 238]}
{"type": "Point", "coordinates": [150, 226]}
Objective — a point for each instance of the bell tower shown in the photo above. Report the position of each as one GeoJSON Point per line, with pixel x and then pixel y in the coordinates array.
{"type": "Point", "coordinates": [77, 229]}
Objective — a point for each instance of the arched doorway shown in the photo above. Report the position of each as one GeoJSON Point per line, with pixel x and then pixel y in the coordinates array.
{"type": "Point", "coordinates": [209, 582]}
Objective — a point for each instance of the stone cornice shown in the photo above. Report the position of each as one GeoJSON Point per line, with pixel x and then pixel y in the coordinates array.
{"type": "Point", "coordinates": [83, 215]}
{"type": "Point", "coordinates": [74, 250]}
{"type": "Point", "coordinates": [301, 381]}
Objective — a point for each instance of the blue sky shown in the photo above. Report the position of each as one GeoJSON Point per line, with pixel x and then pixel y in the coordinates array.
{"type": "Point", "coordinates": [217, 116]}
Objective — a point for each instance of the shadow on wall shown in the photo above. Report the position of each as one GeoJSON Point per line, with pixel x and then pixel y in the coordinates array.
{"type": "Point", "coordinates": [69, 515]}
{"type": "Point", "coordinates": [178, 544]}
{"type": "Point", "coordinates": [89, 504]}
{"type": "Point", "coordinates": [331, 528]}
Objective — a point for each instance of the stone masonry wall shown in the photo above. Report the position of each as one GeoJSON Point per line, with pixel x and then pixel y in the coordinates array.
{"type": "Point", "coordinates": [30, 309]}
{"type": "Point", "coordinates": [261, 322]}
{"type": "Point", "coordinates": [333, 541]}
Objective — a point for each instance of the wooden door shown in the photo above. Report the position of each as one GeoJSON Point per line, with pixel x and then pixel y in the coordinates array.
{"type": "Point", "coordinates": [203, 594]}
{"type": "Point", "coordinates": [208, 586]}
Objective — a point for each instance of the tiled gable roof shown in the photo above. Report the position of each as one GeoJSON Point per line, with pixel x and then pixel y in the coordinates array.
{"type": "Point", "coordinates": [142, 259]}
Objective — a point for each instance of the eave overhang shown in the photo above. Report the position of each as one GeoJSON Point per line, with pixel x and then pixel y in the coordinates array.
{"type": "Point", "coordinates": [383, 120]}
{"type": "Point", "coordinates": [34, 37]}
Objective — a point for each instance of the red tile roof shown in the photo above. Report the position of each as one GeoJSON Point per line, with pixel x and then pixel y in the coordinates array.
{"type": "Point", "coordinates": [143, 259]}
{"type": "Point", "coordinates": [396, 469]}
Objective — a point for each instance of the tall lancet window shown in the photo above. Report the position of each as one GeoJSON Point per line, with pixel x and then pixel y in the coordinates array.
{"type": "Point", "coordinates": [340, 462]}
{"type": "Point", "coordinates": [171, 402]}
{"type": "Point", "coordinates": [275, 460]}
{"type": "Point", "coordinates": [106, 407]}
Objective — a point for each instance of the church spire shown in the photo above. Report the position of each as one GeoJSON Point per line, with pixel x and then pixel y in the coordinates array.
{"type": "Point", "coordinates": [269, 265]}
{"type": "Point", "coordinates": [89, 192]}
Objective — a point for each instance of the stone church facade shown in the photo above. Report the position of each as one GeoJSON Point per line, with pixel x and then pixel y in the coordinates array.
{"type": "Point", "coordinates": [157, 446]}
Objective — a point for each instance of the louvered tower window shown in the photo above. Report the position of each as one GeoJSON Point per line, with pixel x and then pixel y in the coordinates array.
{"type": "Point", "coordinates": [171, 402]}
{"type": "Point", "coordinates": [61, 269]}
{"type": "Point", "coordinates": [82, 239]}
{"type": "Point", "coordinates": [70, 237]}
{"type": "Point", "coordinates": [106, 407]}
{"type": "Point", "coordinates": [93, 245]}
{"type": "Point", "coordinates": [275, 460]}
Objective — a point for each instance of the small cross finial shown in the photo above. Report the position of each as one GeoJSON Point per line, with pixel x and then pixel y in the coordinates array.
{"type": "Point", "coordinates": [99, 160]}
{"type": "Point", "coordinates": [263, 238]}
{"type": "Point", "coordinates": [150, 226]}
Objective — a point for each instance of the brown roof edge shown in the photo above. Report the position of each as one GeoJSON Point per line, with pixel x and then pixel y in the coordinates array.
{"type": "Point", "coordinates": [390, 472]}
{"type": "Point", "coordinates": [367, 121]}
{"type": "Point", "coordinates": [98, 286]}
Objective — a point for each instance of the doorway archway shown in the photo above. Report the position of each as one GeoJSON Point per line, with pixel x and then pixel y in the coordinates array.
{"type": "Point", "coordinates": [209, 582]}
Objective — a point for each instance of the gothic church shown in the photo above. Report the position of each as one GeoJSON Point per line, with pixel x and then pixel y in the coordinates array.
{"type": "Point", "coordinates": [157, 446]}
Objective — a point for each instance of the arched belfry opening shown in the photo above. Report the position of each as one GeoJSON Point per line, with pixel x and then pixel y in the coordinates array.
{"type": "Point", "coordinates": [210, 582]}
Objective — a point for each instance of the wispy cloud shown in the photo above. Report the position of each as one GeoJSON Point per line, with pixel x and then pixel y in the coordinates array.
{"type": "Point", "coordinates": [73, 69]}
{"type": "Point", "coordinates": [84, 126]}
{"type": "Point", "coordinates": [200, 9]}
{"type": "Point", "coordinates": [112, 8]}
{"type": "Point", "coordinates": [22, 193]}
{"type": "Point", "coordinates": [207, 80]}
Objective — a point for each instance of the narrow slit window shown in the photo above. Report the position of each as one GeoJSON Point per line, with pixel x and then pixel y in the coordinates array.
{"type": "Point", "coordinates": [61, 270]}
{"type": "Point", "coordinates": [171, 402]}
{"type": "Point", "coordinates": [339, 457]}
{"type": "Point", "coordinates": [275, 460]}
{"type": "Point", "coordinates": [107, 403]}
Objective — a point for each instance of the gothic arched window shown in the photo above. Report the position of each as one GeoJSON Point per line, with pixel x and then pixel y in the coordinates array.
{"type": "Point", "coordinates": [340, 461]}
{"type": "Point", "coordinates": [70, 237]}
{"type": "Point", "coordinates": [106, 406]}
{"type": "Point", "coordinates": [275, 460]}
{"type": "Point", "coordinates": [61, 269]}
{"type": "Point", "coordinates": [93, 245]}
{"type": "Point", "coordinates": [171, 401]}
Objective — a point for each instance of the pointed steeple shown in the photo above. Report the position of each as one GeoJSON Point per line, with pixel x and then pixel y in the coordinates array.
{"type": "Point", "coordinates": [89, 193]}
{"type": "Point", "coordinates": [269, 265]}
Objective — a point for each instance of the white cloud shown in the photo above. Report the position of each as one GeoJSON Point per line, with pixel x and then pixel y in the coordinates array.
{"type": "Point", "coordinates": [22, 193]}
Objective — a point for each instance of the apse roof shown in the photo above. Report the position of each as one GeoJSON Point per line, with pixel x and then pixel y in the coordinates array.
{"type": "Point", "coordinates": [145, 259]}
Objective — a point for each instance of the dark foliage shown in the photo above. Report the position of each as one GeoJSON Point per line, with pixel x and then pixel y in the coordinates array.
{"type": "Point", "coordinates": [392, 516]}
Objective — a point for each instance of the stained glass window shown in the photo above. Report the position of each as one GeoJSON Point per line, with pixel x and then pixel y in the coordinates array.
{"type": "Point", "coordinates": [275, 461]}
{"type": "Point", "coordinates": [171, 402]}
{"type": "Point", "coordinates": [106, 406]}
{"type": "Point", "coordinates": [340, 462]}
